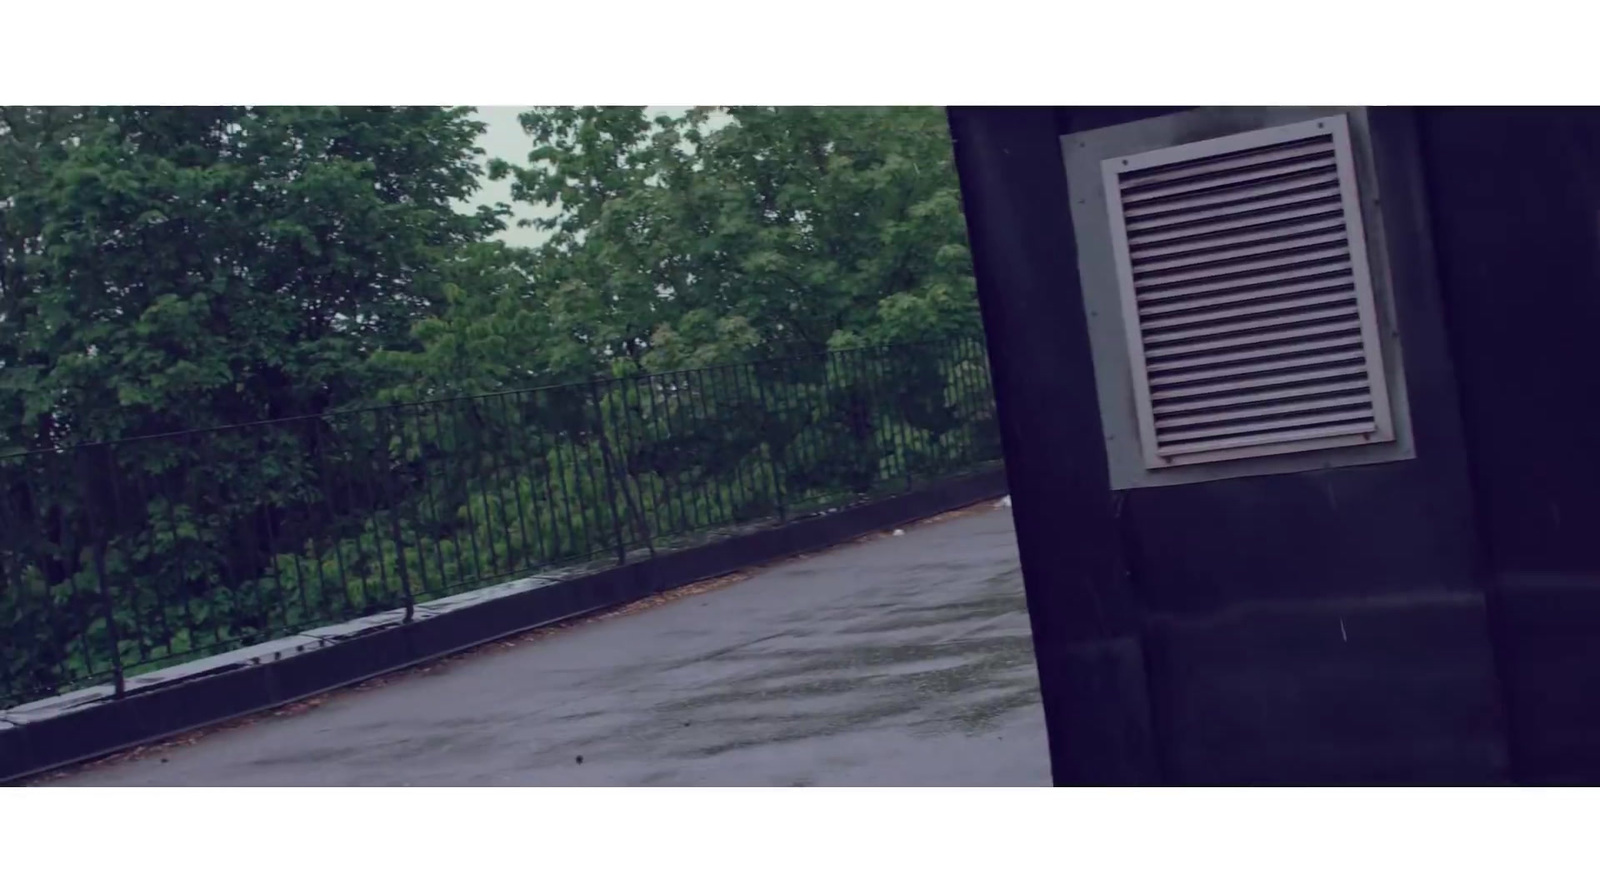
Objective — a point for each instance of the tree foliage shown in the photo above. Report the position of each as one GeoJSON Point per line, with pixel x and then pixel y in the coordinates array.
{"type": "Point", "coordinates": [712, 237]}
{"type": "Point", "coordinates": [176, 268]}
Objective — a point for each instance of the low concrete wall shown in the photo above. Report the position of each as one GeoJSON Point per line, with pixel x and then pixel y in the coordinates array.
{"type": "Point", "coordinates": [83, 725]}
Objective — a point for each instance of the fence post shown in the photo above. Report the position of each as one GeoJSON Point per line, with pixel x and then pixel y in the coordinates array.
{"type": "Point", "coordinates": [775, 468]}
{"type": "Point", "coordinates": [381, 457]}
{"type": "Point", "coordinates": [100, 529]}
{"type": "Point", "coordinates": [907, 437]}
{"type": "Point", "coordinates": [109, 609]}
{"type": "Point", "coordinates": [630, 485]}
{"type": "Point", "coordinates": [611, 486]}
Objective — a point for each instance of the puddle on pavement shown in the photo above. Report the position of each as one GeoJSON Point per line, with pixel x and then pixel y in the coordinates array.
{"type": "Point", "coordinates": [792, 688]}
{"type": "Point", "coordinates": [1001, 595]}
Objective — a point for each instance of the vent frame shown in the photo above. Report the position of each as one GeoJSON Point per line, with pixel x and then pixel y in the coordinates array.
{"type": "Point", "coordinates": [1381, 429]}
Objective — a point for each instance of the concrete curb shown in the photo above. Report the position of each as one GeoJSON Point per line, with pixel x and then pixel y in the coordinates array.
{"type": "Point", "coordinates": [85, 725]}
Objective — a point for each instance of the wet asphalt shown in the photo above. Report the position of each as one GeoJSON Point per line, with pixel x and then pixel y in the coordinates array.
{"type": "Point", "coordinates": [903, 660]}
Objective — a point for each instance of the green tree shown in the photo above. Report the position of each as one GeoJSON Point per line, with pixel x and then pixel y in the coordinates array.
{"type": "Point", "coordinates": [719, 235]}
{"type": "Point", "coordinates": [165, 269]}
{"type": "Point", "coordinates": [170, 268]}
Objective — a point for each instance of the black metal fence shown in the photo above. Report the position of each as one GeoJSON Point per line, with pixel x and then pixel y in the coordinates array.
{"type": "Point", "coordinates": [124, 557]}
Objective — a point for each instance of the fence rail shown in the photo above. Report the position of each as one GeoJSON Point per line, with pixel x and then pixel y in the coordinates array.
{"type": "Point", "coordinates": [125, 557]}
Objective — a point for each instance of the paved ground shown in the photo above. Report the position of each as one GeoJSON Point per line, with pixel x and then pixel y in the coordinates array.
{"type": "Point", "coordinates": [900, 661]}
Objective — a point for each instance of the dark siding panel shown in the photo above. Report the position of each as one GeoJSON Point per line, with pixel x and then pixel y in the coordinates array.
{"type": "Point", "coordinates": [1090, 666]}
{"type": "Point", "coordinates": [1516, 207]}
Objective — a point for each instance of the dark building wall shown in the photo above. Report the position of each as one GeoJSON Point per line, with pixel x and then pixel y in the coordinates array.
{"type": "Point", "coordinates": [1515, 204]}
{"type": "Point", "coordinates": [1326, 627]}
{"type": "Point", "coordinates": [1079, 600]}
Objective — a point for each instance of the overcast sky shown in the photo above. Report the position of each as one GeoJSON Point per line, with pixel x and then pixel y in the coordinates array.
{"type": "Point", "coordinates": [504, 139]}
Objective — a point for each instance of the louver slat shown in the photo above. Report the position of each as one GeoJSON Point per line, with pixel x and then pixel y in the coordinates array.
{"type": "Point", "coordinates": [1244, 270]}
{"type": "Point", "coordinates": [1299, 214]}
{"type": "Point", "coordinates": [1206, 345]}
{"type": "Point", "coordinates": [1290, 280]}
{"type": "Point", "coordinates": [1187, 421]}
{"type": "Point", "coordinates": [1258, 320]}
{"type": "Point", "coordinates": [1242, 245]}
{"type": "Point", "coordinates": [1292, 377]}
{"type": "Point", "coordinates": [1301, 200]}
{"type": "Point", "coordinates": [1235, 310]}
{"type": "Point", "coordinates": [1268, 396]}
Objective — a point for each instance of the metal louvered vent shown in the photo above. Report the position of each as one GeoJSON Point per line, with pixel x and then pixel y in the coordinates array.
{"type": "Point", "coordinates": [1247, 296]}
